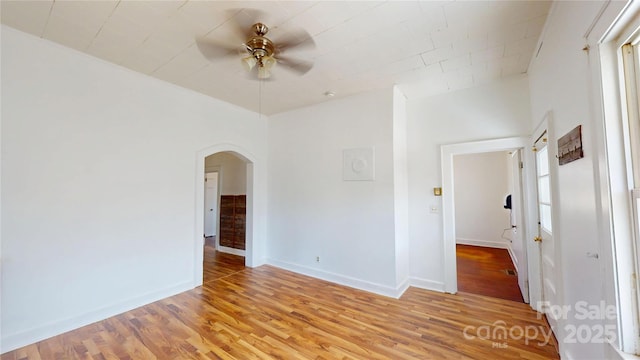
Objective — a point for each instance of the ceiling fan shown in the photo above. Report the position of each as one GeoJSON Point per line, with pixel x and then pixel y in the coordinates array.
{"type": "Point", "coordinates": [261, 54]}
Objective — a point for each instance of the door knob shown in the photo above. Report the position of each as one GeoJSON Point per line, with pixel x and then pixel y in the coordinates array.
{"type": "Point", "coordinates": [537, 239]}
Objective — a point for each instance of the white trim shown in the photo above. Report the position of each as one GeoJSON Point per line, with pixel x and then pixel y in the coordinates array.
{"type": "Point", "coordinates": [531, 221]}
{"type": "Point", "coordinates": [15, 341]}
{"type": "Point", "coordinates": [613, 22]}
{"type": "Point", "coordinates": [216, 169]}
{"type": "Point", "coordinates": [402, 287]}
{"type": "Point", "coordinates": [359, 284]}
{"type": "Point", "coordinates": [612, 28]}
{"type": "Point", "coordinates": [535, 269]}
{"type": "Point", "coordinates": [232, 251]}
{"type": "Point", "coordinates": [483, 243]}
{"type": "Point", "coordinates": [427, 284]}
{"type": "Point", "coordinates": [217, 201]}
{"type": "Point", "coordinates": [613, 353]}
{"type": "Point", "coordinates": [364, 285]}
{"type": "Point", "coordinates": [514, 259]}
{"type": "Point", "coordinates": [448, 207]}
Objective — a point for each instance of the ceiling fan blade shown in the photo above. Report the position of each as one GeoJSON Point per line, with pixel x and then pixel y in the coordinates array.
{"type": "Point", "coordinates": [298, 39]}
{"type": "Point", "coordinates": [214, 50]}
{"type": "Point", "coordinates": [300, 67]}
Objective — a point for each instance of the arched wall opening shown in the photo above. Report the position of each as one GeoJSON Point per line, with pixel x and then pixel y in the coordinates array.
{"type": "Point", "coordinates": [250, 246]}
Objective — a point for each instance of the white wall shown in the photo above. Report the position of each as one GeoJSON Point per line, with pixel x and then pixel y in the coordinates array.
{"type": "Point", "coordinates": [559, 79]}
{"type": "Point", "coordinates": [488, 112]}
{"type": "Point", "coordinates": [313, 212]}
{"type": "Point", "coordinates": [233, 170]}
{"type": "Point", "coordinates": [98, 186]}
{"type": "Point", "coordinates": [481, 183]}
{"type": "Point", "coordinates": [401, 188]}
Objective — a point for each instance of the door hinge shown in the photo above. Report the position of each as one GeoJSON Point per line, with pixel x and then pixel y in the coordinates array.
{"type": "Point", "coordinates": [521, 165]}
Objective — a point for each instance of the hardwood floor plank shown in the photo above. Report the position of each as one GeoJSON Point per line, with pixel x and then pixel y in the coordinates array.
{"type": "Point", "coordinates": [482, 271]}
{"type": "Point", "coordinates": [268, 313]}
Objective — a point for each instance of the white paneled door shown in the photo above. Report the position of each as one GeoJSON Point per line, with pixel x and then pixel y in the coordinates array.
{"type": "Point", "coordinates": [518, 245]}
{"type": "Point", "coordinates": [210, 203]}
{"type": "Point", "coordinates": [545, 230]}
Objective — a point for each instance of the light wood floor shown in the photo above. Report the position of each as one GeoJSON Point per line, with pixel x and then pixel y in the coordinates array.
{"type": "Point", "coordinates": [269, 313]}
{"type": "Point", "coordinates": [218, 265]}
{"type": "Point", "coordinates": [481, 270]}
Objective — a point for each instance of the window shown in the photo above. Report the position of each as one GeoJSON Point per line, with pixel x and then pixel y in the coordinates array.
{"type": "Point", "coordinates": [618, 38]}
{"type": "Point", "coordinates": [544, 192]}
{"type": "Point", "coordinates": [630, 81]}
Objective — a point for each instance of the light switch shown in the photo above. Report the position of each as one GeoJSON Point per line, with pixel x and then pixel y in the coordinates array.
{"type": "Point", "coordinates": [434, 209]}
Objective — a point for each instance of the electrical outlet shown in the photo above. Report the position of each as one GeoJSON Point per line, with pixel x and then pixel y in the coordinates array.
{"type": "Point", "coordinates": [318, 259]}
{"type": "Point", "coordinates": [434, 209]}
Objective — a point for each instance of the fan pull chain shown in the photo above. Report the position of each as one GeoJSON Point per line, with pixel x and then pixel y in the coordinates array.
{"type": "Point", "coordinates": [260, 99]}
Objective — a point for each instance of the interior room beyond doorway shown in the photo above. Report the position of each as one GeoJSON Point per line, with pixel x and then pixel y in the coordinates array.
{"type": "Point", "coordinates": [225, 202]}
{"type": "Point", "coordinates": [486, 225]}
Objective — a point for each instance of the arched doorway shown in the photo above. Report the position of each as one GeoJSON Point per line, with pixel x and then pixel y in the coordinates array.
{"type": "Point", "coordinates": [249, 162]}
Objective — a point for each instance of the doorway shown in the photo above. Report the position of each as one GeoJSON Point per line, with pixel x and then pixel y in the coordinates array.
{"type": "Point", "coordinates": [211, 206]}
{"type": "Point", "coordinates": [489, 254]}
{"type": "Point", "coordinates": [225, 202]}
{"type": "Point", "coordinates": [542, 200]}
{"type": "Point", "coordinates": [225, 193]}
{"type": "Point", "coordinates": [448, 204]}
{"type": "Point", "coordinates": [252, 254]}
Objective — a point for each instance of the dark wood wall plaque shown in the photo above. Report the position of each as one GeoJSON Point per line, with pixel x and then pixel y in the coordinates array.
{"type": "Point", "coordinates": [570, 146]}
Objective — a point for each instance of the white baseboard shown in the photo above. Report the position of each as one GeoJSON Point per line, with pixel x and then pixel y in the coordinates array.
{"type": "Point", "coordinates": [232, 251]}
{"type": "Point", "coordinates": [612, 352]}
{"type": "Point", "coordinates": [483, 243]}
{"type": "Point", "coordinates": [402, 287]}
{"type": "Point", "coordinates": [15, 341]}
{"type": "Point", "coordinates": [514, 259]}
{"type": "Point", "coordinates": [427, 284]}
{"type": "Point", "coordinates": [342, 279]}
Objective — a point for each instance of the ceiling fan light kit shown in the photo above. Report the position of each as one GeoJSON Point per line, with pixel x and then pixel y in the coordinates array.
{"type": "Point", "coordinates": [264, 67]}
{"type": "Point", "coordinates": [249, 62]}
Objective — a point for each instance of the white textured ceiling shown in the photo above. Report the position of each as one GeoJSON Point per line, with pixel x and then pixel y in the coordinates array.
{"type": "Point", "coordinates": [425, 47]}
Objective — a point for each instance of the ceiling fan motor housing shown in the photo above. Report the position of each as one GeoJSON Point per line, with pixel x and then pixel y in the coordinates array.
{"type": "Point", "coordinates": [259, 46]}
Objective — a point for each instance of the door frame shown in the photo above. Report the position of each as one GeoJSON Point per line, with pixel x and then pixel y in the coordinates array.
{"type": "Point", "coordinates": [448, 205]}
{"type": "Point", "coordinates": [251, 252]}
{"type": "Point", "coordinates": [546, 124]}
{"type": "Point", "coordinates": [518, 197]}
{"type": "Point", "coordinates": [215, 170]}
